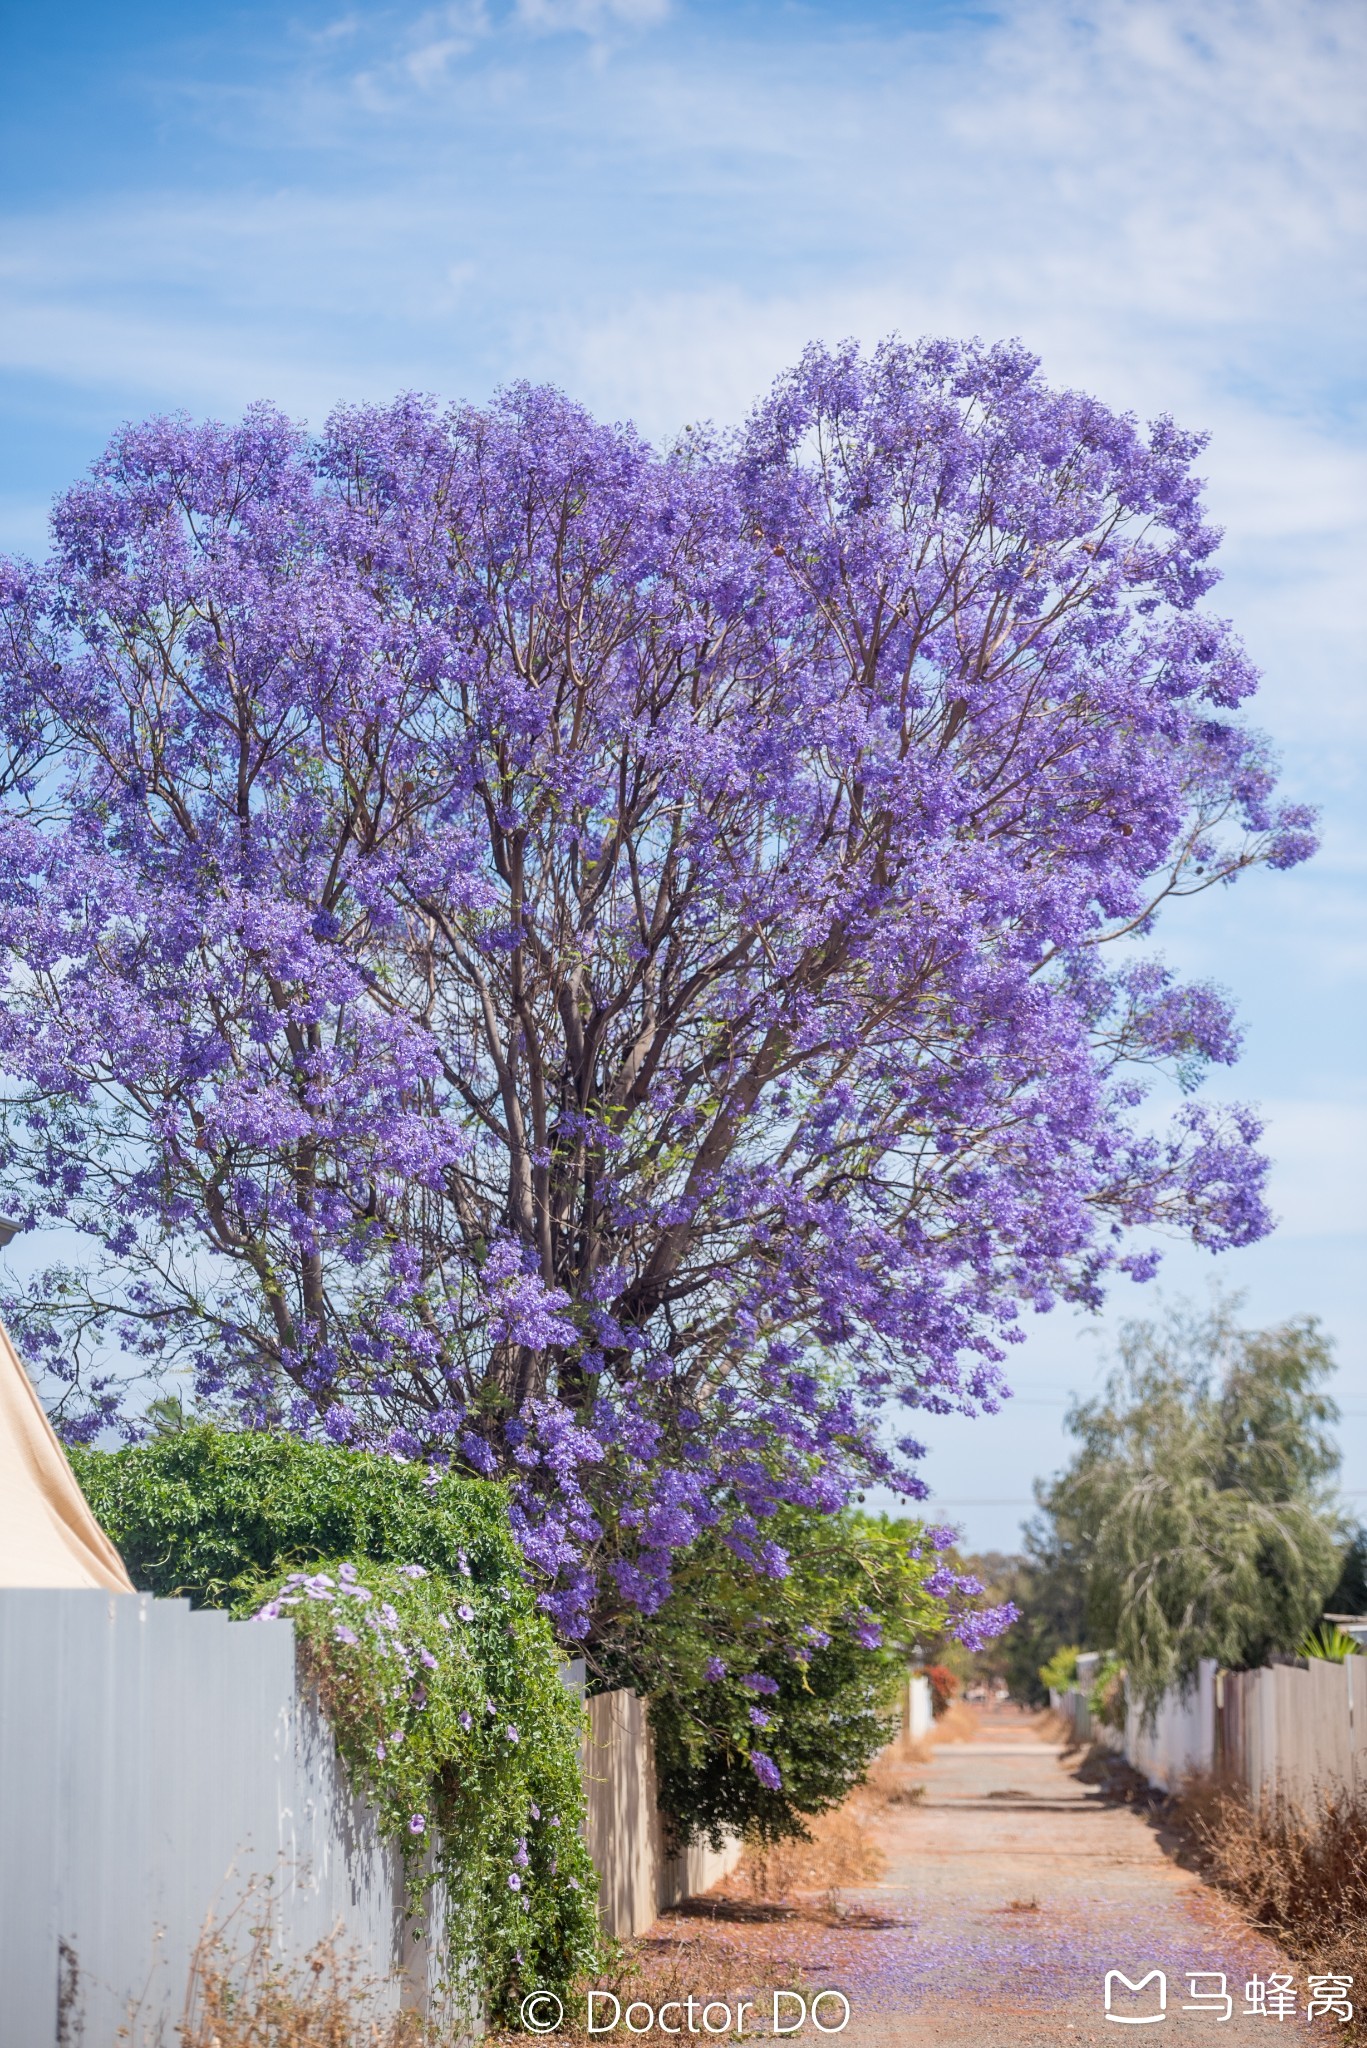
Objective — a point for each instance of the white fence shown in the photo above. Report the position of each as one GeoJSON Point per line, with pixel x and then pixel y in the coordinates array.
{"type": "Point", "coordinates": [159, 1768]}
{"type": "Point", "coordinates": [156, 1766]}
{"type": "Point", "coordinates": [637, 1876]}
{"type": "Point", "coordinates": [1288, 1732]}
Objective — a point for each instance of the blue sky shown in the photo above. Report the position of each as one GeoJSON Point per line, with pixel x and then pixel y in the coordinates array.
{"type": "Point", "coordinates": [655, 203]}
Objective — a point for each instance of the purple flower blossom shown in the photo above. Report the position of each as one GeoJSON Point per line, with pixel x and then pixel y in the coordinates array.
{"type": "Point", "coordinates": [766, 1770]}
{"type": "Point", "coordinates": [466, 1611]}
{"type": "Point", "coordinates": [759, 1681]}
{"type": "Point", "coordinates": [825, 852]}
{"type": "Point", "coordinates": [512, 1733]}
{"type": "Point", "coordinates": [758, 1718]}
{"type": "Point", "coordinates": [714, 1668]}
{"type": "Point", "coordinates": [465, 1721]}
{"type": "Point", "coordinates": [342, 1634]}
{"type": "Point", "coordinates": [520, 1854]}
{"type": "Point", "coordinates": [417, 1823]}
{"type": "Point", "coordinates": [514, 1881]}
{"type": "Point", "coordinates": [412, 1571]}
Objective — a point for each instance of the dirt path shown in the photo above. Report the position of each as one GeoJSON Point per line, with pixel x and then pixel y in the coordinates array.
{"type": "Point", "coordinates": [1011, 1889]}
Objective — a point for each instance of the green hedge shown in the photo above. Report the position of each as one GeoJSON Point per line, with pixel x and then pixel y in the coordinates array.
{"type": "Point", "coordinates": [207, 1512]}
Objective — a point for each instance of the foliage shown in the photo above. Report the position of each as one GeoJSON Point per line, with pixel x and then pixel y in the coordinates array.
{"type": "Point", "coordinates": [1349, 1596]}
{"type": "Point", "coordinates": [943, 1686]}
{"type": "Point", "coordinates": [208, 1512]}
{"type": "Point", "coordinates": [1049, 1587]}
{"type": "Point", "coordinates": [589, 962]}
{"type": "Point", "coordinates": [1060, 1673]}
{"type": "Point", "coordinates": [1107, 1699]}
{"type": "Point", "coordinates": [770, 1696]}
{"type": "Point", "coordinates": [1197, 1502]}
{"type": "Point", "coordinates": [1329, 1643]}
{"type": "Point", "coordinates": [451, 1717]}
{"type": "Point", "coordinates": [232, 1517]}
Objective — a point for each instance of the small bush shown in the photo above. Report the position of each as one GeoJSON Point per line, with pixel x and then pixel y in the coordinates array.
{"type": "Point", "coordinates": [1108, 1700]}
{"type": "Point", "coordinates": [943, 1686]}
{"type": "Point", "coordinates": [771, 1692]}
{"type": "Point", "coordinates": [1060, 1673]}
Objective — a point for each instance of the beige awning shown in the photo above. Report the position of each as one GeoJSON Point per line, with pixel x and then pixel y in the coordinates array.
{"type": "Point", "coordinates": [48, 1536]}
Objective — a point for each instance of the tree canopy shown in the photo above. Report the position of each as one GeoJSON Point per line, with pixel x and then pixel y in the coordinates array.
{"type": "Point", "coordinates": [589, 962]}
{"type": "Point", "coordinates": [1197, 1511]}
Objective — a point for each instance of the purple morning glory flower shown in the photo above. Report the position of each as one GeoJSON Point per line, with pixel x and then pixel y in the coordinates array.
{"type": "Point", "coordinates": [466, 1611]}
{"type": "Point", "coordinates": [417, 1824]}
{"type": "Point", "coordinates": [514, 1881]}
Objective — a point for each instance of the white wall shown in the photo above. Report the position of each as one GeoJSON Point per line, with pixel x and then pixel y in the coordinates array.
{"type": "Point", "coordinates": [155, 1765]}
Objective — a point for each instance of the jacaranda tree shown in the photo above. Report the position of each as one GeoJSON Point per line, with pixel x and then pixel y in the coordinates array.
{"type": "Point", "coordinates": [589, 962]}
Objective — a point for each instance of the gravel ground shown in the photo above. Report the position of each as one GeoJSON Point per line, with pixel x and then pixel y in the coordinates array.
{"type": "Point", "coordinates": [1012, 1887]}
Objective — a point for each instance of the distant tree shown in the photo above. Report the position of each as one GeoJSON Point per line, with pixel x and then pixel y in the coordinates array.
{"type": "Point", "coordinates": [1349, 1595]}
{"type": "Point", "coordinates": [590, 963]}
{"type": "Point", "coordinates": [1197, 1512]}
{"type": "Point", "coordinates": [1047, 1588]}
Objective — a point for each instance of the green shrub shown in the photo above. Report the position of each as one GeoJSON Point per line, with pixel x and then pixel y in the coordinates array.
{"type": "Point", "coordinates": [770, 1696]}
{"type": "Point", "coordinates": [1108, 1701]}
{"type": "Point", "coordinates": [1060, 1673]}
{"type": "Point", "coordinates": [205, 1511]}
{"type": "Point", "coordinates": [413, 1616]}
{"type": "Point", "coordinates": [1330, 1643]}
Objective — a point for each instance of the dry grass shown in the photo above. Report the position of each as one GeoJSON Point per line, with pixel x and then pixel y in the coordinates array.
{"type": "Point", "coordinates": [652, 1974]}
{"type": "Point", "coordinates": [244, 1994]}
{"type": "Point", "coordinates": [958, 1723]}
{"type": "Point", "coordinates": [1299, 1877]}
{"type": "Point", "coordinates": [841, 1852]}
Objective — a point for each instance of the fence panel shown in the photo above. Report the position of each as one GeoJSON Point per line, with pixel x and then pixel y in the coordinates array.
{"type": "Point", "coordinates": [637, 1878]}
{"type": "Point", "coordinates": [156, 1768]}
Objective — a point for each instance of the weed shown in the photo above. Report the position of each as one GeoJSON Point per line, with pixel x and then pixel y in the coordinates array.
{"type": "Point", "coordinates": [245, 1994]}
{"type": "Point", "coordinates": [1298, 1876]}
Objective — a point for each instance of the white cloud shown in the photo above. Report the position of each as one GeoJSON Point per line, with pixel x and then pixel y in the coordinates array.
{"type": "Point", "coordinates": [590, 17]}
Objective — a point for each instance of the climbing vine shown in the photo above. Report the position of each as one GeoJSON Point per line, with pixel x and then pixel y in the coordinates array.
{"type": "Point", "coordinates": [450, 1716]}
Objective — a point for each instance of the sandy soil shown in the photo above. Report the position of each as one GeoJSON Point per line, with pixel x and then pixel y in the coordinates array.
{"type": "Point", "coordinates": [1011, 1888]}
